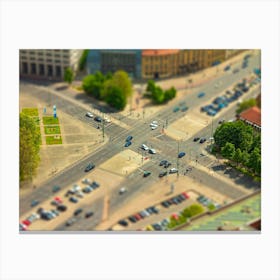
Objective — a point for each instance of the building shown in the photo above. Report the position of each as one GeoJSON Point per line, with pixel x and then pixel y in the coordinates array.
{"type": "Point", "coordinates": [232, 52]}
{"type": "Point", "coordinates": [113, 60]}
{"type": "Point", "coordinates": [160, 63]}
{"type": "Point", "coordinates": [252, 116]}
{"type": "Point", "coordinates": [47, 64]}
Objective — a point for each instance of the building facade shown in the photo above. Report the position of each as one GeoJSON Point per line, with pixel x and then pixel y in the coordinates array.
{"type": "Point", "coordinates": [113, 60]}
{"type": "Point", "coordinates": [47, 64]}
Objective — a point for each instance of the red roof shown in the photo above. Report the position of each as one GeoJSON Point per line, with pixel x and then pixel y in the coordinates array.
{"type": "Point", "coordinates": [158, 52]}
{"type": "Point", "coordinates": [252, 115]}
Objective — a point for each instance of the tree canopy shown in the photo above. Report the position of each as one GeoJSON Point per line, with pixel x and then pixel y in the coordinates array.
{"type": "Point", "coordinates": [246, 105]}
{"type": "Point", "coordinates": [29, 147]}
{"type": "Point", "coordinates": [68, 75]}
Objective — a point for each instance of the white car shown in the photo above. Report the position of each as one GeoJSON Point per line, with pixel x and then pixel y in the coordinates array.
{"type": "Point", "coordinates": [144, 147]}
{"type": "Point", "coordinates": [89, 114]}
{"type": "Point", "coordinates": [107, 120]}
{"type": "Point", "coordinates": [86, 181]}
{"type": "Point", "coordinates": [173, 170]}
{"type": "Point", "coordinates": [152, 151]}
{"type": "Point", "coordinates": [154, 123]}
{"type": "Point", "coordinates": [76, 188]}
{"type": "Point", "coordinates": [122, 190]}
{"type": "Point", "coordinates": [79, 194]}
{"type": "Point", "coordinates": [153, 127]}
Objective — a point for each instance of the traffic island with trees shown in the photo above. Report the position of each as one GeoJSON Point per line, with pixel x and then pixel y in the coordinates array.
{"type": "Point", "coordinates": [30, 141]}
{"type": "Point", "coordinates": [113, 89]}
{"type": "Point", "coordinates": [157, 94]}
{"type": "Point", "coordinates": [241, 145]}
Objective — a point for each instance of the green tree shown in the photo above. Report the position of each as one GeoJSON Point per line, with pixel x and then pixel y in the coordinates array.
{"type": "Point", "coordinates": [83, 60]}
{"type": "Point", "coordinates": [29, 147]}
{"type": "Point", "coordinates": [192, 210]}
{"type": "Point", "coordinates": [169, 94]}
{"type": "Point", "coordinates": [150, 86]}
{"type": "Point", "coordinates": [93, 84]}
{"type": "Point", "coordinates": [158, 95]}
{"type": "Point", "coordinates": [68, 75]}
{"type": "Point", "coordinates": [122, 81]}
{"type": "Point", "coordinates": [246, 105]}
{"type": "Point", "coordinates": [245, 158]}
{"type": "Point", "coordinates": [255, 161]}
{"type": "Point", "coordinates": [116, 97]}
{"type": "Point", "coordinates": [228, 151]}
{"type": "Point", "coordinates": [238, 156]}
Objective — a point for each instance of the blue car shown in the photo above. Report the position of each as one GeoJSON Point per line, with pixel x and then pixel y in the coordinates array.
{"type": "Point", "coordinates": [128, 138]}
{"type": "Point", "coordinates": [227, 68]}
{"type": "Point", "coordinates": [201, 94]}
{"type": "Point", "coordinates": [212, 112]}
{"type": "Point", "coordinates": [128, 143]}
{"type": "Point", "coordinates": [181, 154]}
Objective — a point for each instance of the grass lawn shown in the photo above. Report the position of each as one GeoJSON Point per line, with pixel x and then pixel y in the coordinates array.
{"type": "Point", "coordinates": [32, 112]}
{"type": "Point", "coordinates": [39, 130]}
{"type": "Point", "coordinates": [50, 120]}
{"type": "Point", "coordinates": [51, 140]}
{"type": "Point", "coordinates": [52, 129]}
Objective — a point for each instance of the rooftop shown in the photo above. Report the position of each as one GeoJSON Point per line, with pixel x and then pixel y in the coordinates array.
{"type": "Point", "coordinates": [158, 52]}
{"type": "Point", "coordinates": [253, 115]}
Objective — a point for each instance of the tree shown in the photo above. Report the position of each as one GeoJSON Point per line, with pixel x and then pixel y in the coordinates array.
{"type": "Point", "coordinates": [68, 75]}
{"type": "Point", "coordinates": [245, 158]}
{"type": "Point", "coordinates": [93, 84]}
{"type": "Point", "coordinates": [158, 95]}
{"type": "Point", "coordinates": [228, 151]}
{"type": "Point", "coordinates": [83, 60]}
{"type": "Point", "coordinates": [122, 81]}
{"type": "Point", "coordinates": [238, 156]}
{"type": "Point", "coordinates": [115, 97]}
{"type": "Point", "coordinates": [169, 94]}
{"type": "Point", "coordinates": [255, 161]}
{"type": "Point", "coordinates": [246, 105]}
{"type": "Point", "coordinates": [29, 147]}
{"type": "Point", "coordinates": [150, 86]}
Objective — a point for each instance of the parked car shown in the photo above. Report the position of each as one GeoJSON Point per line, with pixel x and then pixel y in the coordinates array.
{"type": "Point", "coordinates": [146, 173]}
{"type": "Point", "coordinates": [61, 208]}
{"type": "Point", "coordinates": [163, 162]}
{"type": "Point", "coordinates": [78, 211]}
{"type": "Point", "coordinates": [144, 147]}
{"type": "Point", "coordinates": [56, 189]}
{"type": "Point", "coordinates": [186, 195]}
{"type": "Point", "coordinates": [128, 138]}
{"type": "Point", "coordinates": [201, 94]}
{"type": "Point", "coordinates": [70, 222]}
{"type": "Point", "coordinates": [98, 119]}
{"type": "Point", "coordinates": [123, 223]}
{"type": "Point", "coordinates": [122, 190]}
{"type": "Point", "coordinates": [176, 109]}
{"type": "Point", "coordinates": [157, 226]}
{"type": "Point", "coordinates": [152, 151]}
{"type": "Point", "coordinates": [227, 68]}
{"type": "Point", "coordinates": [196, 139]}
{"type": "Point", "coordinates": [127, 144]}
{"type": "Point", "coordinates": [79, 194]}
{"type": "Point", "coordinates": [181, 154]}
{"type": "Point", "coordinates": [89, 167]}
{"type": "Point", "coordinates": [89, 114]}
{"type": "Point", "coordinates": [26, 222]}
{"type": "Point", "coordinates": [89, 214]}
{"type": "Point", "coordinates": [165, 204]}
{"type": "Point", "coordinates": [34, 203]}
{"type": "Point", "coordinates": [132, 219]}
{"type": "Point", "coordinates": [86, 181]}
{"type": "Point", "coordinates": [167, 164]}
{"type": "Point", "coordinates": [73, 199]}
{"type": "Point", "coordinates": [163, 173]}
{"type": "Point", "coordinates": [33, 217]}
{"type": "Point", "coordinates": [173, 170]}
{"type": "Point", "coordinates": [202, 140]}
{"type": "Point", "coordinates": [87, 189]}
{"type": "Point", "coordinates": [94, 185]}
{"type": "Point", "coordinates": [184, 109]}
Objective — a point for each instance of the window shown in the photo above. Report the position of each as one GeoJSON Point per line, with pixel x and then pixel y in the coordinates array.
{"type": "Point", "coordinates": [50, 70]}
{"type": "Point", "coordinates": [32, 58]}
{"type": "Point", "coordinates": [49, 60]}
{"type": "Point", "coordinates": [48, 54]}
{"type": "Point", "coordinates": [33, 68]}
{"type": "Point", "coordinates": [41, 70]}
{"type": "Point", "coordinates": [58, 71]}
{"type": "Point", "coordinates": [24, 68]}
{"type": "Point", "coordinates": [57, 61]}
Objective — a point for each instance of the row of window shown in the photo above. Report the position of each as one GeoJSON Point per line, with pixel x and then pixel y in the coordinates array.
{"type": "Point", "coordinates": [41, 69]}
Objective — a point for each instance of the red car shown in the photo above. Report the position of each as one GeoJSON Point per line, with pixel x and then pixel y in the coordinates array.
{"type": "Point", "coordinates": [175, 216]}
{"type": "Point", "coordinates": [58, 199]}
{"type": "Point", "coordinates": [137, 216]}
{"type": "Point", "coordinates": [26, 222]}
{"type": "Point", "coordinates": [186, 195]}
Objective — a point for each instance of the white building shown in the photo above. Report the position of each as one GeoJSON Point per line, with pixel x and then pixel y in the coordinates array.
{"type": "Point", "coordinates": [47, 64]}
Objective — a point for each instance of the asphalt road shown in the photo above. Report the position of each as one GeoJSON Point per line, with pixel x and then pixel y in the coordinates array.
{"type": "Point", "coordinates": [142, 134]}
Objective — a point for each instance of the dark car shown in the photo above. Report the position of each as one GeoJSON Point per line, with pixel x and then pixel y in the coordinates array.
{"type": "Point", "coordinates": [78, 211]}
{"type": "Point", "coordinates": [70, 222]}
{"type": "Point", "coordinates": [163, 162]}
{"type": "Point", "coordinates": [167, 164]}
{"type": "Point", "coordinates": [202, 140]}
{"type": "Point", "coordinates": [61, 208]}
{"type": "Point", "coordinates": [196, 139]}
{"type": "Point", "coordinates": [40, 210]}
{"type": "Point", "coordinates": [146, 173]}
{"type": "Point", "coordinates": [123, 223]}
{"type": "Point", "coordinates": [95, 185]}
{"type": "Point", "coordinates": [132, 219]}
{"type": "Point", "coordinates": [184, 109]}
{"type": "Point", "coordinates": [73, 199]}
{"type": "Point", "coordinates": [165, 204]}
{"type": "Point", "coordinates": [87, 189]}
{"type": "Point", "coordinates": [89, 167]}
{"type": "Point", "coordinates": [154, 209]}
{"type": "Point", "coordinates": [128, 138]}
{"type": "Point", "coordinates": [163, 173]}
{"type": "Point", "coordinates": [89, 214]}
{"type": "Point", "coordinates": [201, 94]}
{"type": "Point", "coordinates": [227, 68]}
{"type": "Point", "coordinates": [98, 119]}
{"type": "Point", "coordinates": [34, 203]}
{"type": "Point", "coordinates": [56, 189]}
{"type": "Point", "coordinates": [156, 226]}
{"type": "Point", "coordinates": [176, 109]}
{"type": "Point", "coordinates": [127, 144]}
{"type": "Point", "coordinates": [46, 216]}
{"type": "Point", "coordinates": [181, 154]}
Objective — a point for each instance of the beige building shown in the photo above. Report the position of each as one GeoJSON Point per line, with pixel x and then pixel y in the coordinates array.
{"type": "Point", "coordinates": [47, 64]}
